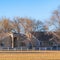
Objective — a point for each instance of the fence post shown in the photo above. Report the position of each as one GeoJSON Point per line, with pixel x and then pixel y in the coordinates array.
{"type": "Point", "coordinates": [27, 49]}
{"type": "Point", "coordinates": [8, 48]}
{"type": "Point", "coordinates": [45, 48]}
{"type": "Point", "coordinates": [21, 48]}
{"type": "Point", "coordinates": [57, 47]}
{"type": "Point", "coordinates": [39, 48]}
{"type": "Point", "coordinates": [51, 48]}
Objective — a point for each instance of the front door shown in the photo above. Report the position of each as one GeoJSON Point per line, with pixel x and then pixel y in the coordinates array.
{"type": "Point", "coordinates": [15, 42]}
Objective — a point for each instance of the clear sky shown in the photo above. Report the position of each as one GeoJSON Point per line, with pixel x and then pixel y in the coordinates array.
{"type": "Point", "coordinates": [36, 9]}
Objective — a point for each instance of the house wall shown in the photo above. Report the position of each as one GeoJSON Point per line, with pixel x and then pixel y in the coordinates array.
{"type": "Point", "coordinates": [18, 40]}
{"type": "Point", "coordinates": [6, 42]}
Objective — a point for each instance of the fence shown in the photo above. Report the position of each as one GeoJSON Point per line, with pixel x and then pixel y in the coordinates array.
{"type": "Point", "coordinates": [28, 49]}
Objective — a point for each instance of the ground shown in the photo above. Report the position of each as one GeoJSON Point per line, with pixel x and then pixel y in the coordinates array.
{"type": "Point", "coordinates": [32, 55]}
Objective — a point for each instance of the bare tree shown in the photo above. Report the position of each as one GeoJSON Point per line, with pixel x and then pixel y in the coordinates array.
{"type": "Point", "coordinates": [5, 25]}
{"type": "Point", "coordinates": [21, 24]}
{"type": "Point", "coordinates": [55, 20]}
{"type": "Point", "coordinates": [55, 23]}
{"type": "Point", "coordinates": [16, 25]}
{"type": "Point", "coordinates": [26, 24]}
{"type": "Point", "coordinates": [39, 26]}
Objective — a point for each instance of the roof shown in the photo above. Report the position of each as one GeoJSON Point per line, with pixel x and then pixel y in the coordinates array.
{"type": "Point", "coordinates": [3, 35]}
{"type": "Point", "coordinates": [47, 36]}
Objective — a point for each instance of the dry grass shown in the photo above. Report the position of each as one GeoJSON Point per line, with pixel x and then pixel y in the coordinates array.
{"type": "Point", "coordinates": [39, 55]}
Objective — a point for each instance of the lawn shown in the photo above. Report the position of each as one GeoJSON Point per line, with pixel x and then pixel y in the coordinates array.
{"type": "Point", "coordinates": [32, 55]}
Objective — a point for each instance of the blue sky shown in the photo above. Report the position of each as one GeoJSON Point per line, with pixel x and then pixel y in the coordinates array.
{"type": "Point", "coordinates": [36, 9]}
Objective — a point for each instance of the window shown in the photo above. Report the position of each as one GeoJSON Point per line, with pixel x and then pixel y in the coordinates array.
{"type": "Point", "coordinates": [1, 44]}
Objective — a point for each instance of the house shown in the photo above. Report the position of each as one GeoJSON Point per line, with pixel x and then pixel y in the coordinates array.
{"type": "Point", "coordinates": [47, 39]}
{"type": "Point", "coordinates": [16, 40]}
{"type": "Point", "coordinates": [33, 39]}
